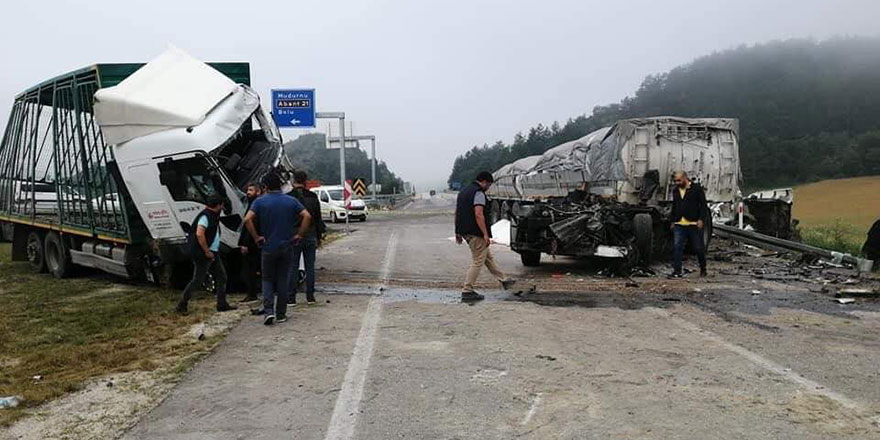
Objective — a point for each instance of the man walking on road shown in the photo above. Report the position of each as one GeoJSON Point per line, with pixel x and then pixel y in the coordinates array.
{"type": "Point", "coordinates": [471, 227]}
{"type": "Point", "coordinates": [250, 252]}
{"type": "Point", "coordinates": [308, 246]}
{"type": "Point", "coordinates": [277, 214]}
{"type": "Point", "coordinates": [204, 247]}
{"type": "Point", "coordinates": [689, 213]}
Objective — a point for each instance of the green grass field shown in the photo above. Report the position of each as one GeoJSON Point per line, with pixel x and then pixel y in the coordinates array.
{"type": "Point", "coordinates": [836, 214]}
{"type": "Point", "coordinates": [71, 330]}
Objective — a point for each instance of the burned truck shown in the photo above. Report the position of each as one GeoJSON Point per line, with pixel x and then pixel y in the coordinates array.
{"type": "Point", "coordinates": [609, 193]}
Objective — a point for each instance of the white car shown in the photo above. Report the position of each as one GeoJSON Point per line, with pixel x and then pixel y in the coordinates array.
{"type": "Point", "coordinates": [333, 205]}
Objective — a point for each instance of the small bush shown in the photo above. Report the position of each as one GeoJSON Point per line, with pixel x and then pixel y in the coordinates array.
{"type": "Point", "coordinates": [838, 236]}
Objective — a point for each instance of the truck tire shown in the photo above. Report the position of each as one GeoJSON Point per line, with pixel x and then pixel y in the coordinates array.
{"type": "Point", "coordinates": [643, 227]}
{"type": "Point", "coordinates": [530, 258]}
{"type": "Point", "coordinates": [707, 231]}
{"type": "Point", "coordinates": [57, 256]}
{"type": "Point", "coordinates": [35, 252]}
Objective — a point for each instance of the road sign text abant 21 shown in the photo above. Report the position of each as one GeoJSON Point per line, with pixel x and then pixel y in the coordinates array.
{"type": "Point", "coordinates": [294, 107]}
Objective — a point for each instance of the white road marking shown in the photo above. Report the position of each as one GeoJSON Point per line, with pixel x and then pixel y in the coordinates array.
{"type": "Point", "coordinates": [533, 409]}
{"type": "Point", "coordinates": [767, 364]}
{"type": "Point", "coordinates": [348, 402]}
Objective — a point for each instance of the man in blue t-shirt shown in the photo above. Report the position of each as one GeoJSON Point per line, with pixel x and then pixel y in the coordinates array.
{"type": "Point", "coordinates": [278, 215]}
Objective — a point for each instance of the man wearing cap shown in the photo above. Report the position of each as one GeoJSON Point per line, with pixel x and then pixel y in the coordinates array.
{"type": "Point", "coordinates": [204, 247]}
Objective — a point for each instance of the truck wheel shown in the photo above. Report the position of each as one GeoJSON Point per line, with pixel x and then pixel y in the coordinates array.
{"type": "Point", "coordinates": [57, 256]}
{"type": "Point", "coordinates": [35, 252]}
{"type": "Point", "coordinates": [707, 232]}
{"type": "Point", "coordinates": [530, 258]}
{"type": "Point", "coordinates": [643, 226]}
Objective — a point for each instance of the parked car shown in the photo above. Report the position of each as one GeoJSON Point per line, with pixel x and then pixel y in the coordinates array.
{"type": "Point", "coordinates": [333, 205]}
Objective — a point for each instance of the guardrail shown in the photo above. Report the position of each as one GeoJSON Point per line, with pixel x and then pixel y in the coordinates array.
{"type": "Point", "coordinates": [388, 201]}
{"type": "Point", "coordinates": [778, 244]}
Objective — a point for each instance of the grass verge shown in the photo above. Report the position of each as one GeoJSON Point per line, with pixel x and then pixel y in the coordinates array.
{"type": "Point", "coordinates": [69, 331]}
{"type": "Point", "coordinates": [836, 236]}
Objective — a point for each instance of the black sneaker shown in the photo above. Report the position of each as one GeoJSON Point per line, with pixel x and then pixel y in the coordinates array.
{"type": "Point", "coordinates": [280, 318]}
{"type": "Point", "coordinates": [675, 275]}
{"type": "Point", "coordinates": [310, 301]}
{"type": "Point", "coordinates": [471, 296]}
{"type": "Point", "coordinates": [269, 320]}
{"type": "Point", "coordinates": [226, 308]}
{"type": "Point", "coordinates": [506, 284]}
{"type": "Point", "coordinates": [703, 273]}
{"type": "Point", "coordinates": [291, 301]}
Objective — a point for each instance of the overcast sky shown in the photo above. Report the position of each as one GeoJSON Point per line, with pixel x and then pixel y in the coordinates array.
{"type": "Point", "coordinates": [429, 79]}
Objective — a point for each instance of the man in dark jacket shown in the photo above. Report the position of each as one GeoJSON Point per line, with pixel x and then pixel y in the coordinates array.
{"type": "Point", "coordinates": [250, 252]}
{"type": "Point", "coordinates": [471, 227]}
{"type": "Point", "coordinates": [308, 247]}
{"type": "Point", "coordinates": [689, 212]}
{"type": "Point", "coordinates": [204, 247]}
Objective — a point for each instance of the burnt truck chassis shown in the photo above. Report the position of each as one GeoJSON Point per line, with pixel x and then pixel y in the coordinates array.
{"type": "Point", "coordinates": [592, 227]}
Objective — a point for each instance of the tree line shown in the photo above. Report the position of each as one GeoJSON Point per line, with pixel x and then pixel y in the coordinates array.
{"type": "Point", "coordinates": [308, 152]}
{"type": "Point", "coordinates": [808, 110]}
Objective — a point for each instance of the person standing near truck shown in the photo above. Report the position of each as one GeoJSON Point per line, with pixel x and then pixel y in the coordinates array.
{"type": "Point", "coordinates": [471, 227]}
{"type": "Point", "coordinates": [250, 252]}
{"type": "Point", "coordinates": [204, 246]}
{"type": "Point", "coordinates": [308, 247]}
{"type": "Point", "coordinates": [277, 213]}
{"type": "Point", "coordinates": [689, 212]}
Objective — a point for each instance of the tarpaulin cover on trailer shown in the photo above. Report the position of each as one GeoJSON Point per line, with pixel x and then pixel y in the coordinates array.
{"type": "Point", "coordinates": [174, 90]}
{"type": "Point", "coordinates": [598, 154]}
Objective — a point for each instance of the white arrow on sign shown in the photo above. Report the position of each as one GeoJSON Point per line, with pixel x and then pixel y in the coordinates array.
{"type": "Point", "coordinates": [295, 121]}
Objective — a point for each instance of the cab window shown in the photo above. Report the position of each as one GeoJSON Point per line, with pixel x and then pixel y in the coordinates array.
{"type": "Point", "coordinates": [192, 179]}
{"type": "Point", "coordinates": [324, 197]}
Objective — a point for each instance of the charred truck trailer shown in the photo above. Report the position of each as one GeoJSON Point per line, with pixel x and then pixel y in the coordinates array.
{"type": "Point", "coordinates": [609, 193]}
{"type": "Point", "coordinates": [107, 166]}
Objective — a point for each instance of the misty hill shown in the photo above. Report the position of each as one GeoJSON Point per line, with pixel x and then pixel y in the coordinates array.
{"type": "Point", "coordinates": [808, 110]}
{"type": "Point", "coordinates": [309, 152]}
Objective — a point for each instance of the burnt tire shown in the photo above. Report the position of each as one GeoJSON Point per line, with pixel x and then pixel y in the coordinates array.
{"type": "Point", "coordinates": [643, 228]}
{"type": "Point", "coordinates": [530, 258]}
{"type": "Point", "coordinates": [57, 256]}
{"type": "Point", "coordinates": [35, 252]}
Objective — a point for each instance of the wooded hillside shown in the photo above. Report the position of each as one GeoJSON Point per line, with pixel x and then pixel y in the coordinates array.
{"type": "Point", "coordinates": [808, 110]}
{"type": "Point", "coordinates": [308, 152]}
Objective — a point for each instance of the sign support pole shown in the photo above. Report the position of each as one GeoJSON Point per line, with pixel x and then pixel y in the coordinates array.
{"type": "Point", "coordinates": [373, 166]}
{"type": "Point", "coordinates": [342, 167]}
{"type": "Point", "coordinates": [341, 117]}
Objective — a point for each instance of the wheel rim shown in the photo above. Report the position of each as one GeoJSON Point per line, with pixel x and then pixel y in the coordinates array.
{"type": "Point", "coordinates": [33, 251]}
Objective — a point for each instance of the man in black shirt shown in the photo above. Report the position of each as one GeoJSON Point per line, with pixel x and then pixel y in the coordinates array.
{"type": "Point", "coordinates": [471, 227]}
{"type": "Point", "coordinates": [250, 252]}
{"type": "Point", "coordinates": [689, 213]}
{"type": "Point", "coordinates": [308, 247]}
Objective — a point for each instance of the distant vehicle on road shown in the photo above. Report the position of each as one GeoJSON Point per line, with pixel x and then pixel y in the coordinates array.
{"type": "Point", "coordinates": [333, 205]}
{"type": "Point", "coordinates": [432, 193]}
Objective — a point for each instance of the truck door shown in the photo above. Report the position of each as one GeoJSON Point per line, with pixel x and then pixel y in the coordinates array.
{"type": "Point", "coordinates": [188, 181]}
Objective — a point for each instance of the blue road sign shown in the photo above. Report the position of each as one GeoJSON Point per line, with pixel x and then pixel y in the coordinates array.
{"type": "Point", "coordinates": [294, 107]}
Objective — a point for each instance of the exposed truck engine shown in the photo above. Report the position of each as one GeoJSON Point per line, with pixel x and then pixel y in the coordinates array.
{"type": "Point", "coordinates": [609, 193]}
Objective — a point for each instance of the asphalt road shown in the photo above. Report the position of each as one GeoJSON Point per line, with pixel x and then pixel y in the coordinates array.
{"type": "Point", "coordinates": [389, 352]}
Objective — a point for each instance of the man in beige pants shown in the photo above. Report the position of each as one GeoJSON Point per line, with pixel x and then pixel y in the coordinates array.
{"type": "Point", "coordinates": [471, 226]}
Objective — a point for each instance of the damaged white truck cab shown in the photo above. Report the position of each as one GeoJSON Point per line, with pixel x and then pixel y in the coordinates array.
{"type": "Point", "coordinates": [130, 154]}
